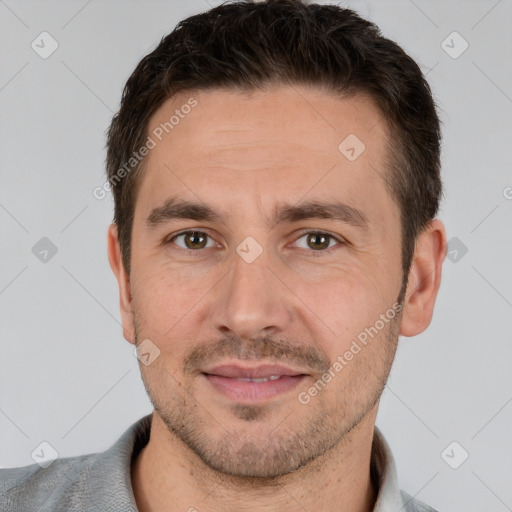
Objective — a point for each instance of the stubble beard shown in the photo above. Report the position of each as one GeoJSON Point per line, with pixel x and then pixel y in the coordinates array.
{"type": "Point", "coordinates": [264, 446]}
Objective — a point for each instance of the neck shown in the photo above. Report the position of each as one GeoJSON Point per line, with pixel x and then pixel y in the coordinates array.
{"type": "Point", "coordinates": [167, 472]}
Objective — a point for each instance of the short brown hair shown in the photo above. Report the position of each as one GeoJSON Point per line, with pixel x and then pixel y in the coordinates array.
{"type": "Point", "coordinates": [245, 46]}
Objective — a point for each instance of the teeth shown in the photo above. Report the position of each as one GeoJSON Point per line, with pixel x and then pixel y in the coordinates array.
{"type": "Point", "coordinates": [263, 379]}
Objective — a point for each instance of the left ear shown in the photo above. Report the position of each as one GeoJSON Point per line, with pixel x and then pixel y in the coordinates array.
{"type": "Point", "coordinates": [424, 279]}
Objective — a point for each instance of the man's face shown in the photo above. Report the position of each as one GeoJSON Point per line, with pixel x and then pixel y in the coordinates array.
{"type": "Point", "coordinates": [250, 287]}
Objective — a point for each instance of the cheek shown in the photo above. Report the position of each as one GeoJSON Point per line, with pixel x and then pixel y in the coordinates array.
{"type": "Point", "coordinates": [162, 301]}
{"type": "Point", "coordinates": [345, 302]}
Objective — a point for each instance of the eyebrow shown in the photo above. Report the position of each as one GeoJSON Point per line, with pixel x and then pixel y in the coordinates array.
{"type": "Point", "coordinates": [175, 208]}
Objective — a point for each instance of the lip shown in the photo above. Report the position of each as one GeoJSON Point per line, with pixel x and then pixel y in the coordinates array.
{"type": "Point", "coordinates": [255, 372]}
{"type": "Point", "coordinates": [225, 379]}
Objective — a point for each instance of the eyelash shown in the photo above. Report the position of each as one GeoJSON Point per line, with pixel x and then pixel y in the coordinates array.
{"type": "Point", "coordinates": [320, 252]}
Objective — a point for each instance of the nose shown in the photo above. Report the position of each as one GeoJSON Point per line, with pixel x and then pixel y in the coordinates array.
{"type": "Point", "coordinates": [252, 300]}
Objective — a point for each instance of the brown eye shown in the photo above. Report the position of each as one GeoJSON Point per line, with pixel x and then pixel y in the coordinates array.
{"type": "Point", "coordinates": [195, 240]}
{"type": "Point", "coordinates": [318, 241]}
{"type": "Point", "coordinates": [192, 240]}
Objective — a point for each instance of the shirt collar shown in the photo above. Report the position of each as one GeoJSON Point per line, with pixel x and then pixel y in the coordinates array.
{"type": "Point", "coordinates": [383, 466]}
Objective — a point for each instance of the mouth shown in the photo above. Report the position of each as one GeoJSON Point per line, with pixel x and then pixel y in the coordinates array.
{"type": "Point", "coordinates": [253, 384]}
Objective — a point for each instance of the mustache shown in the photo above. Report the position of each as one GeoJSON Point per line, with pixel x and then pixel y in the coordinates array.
{"type": "Point", "coordinates": [272, 349]}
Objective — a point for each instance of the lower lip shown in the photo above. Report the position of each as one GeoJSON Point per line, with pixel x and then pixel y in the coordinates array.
{"type": "Point", "coordinates": [253, 391]}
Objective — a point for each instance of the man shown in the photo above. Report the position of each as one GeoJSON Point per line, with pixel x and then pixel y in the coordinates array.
{"type": "Point", "coordinates": [275, 170]}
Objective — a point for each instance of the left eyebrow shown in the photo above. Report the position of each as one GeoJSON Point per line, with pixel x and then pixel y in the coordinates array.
{"type": "Point", "coordinates": [175, 208]}
{"type": "Point", "coordinates": [322, 210]}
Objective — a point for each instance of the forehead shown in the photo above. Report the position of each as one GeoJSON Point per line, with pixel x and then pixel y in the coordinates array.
{"type": "Point", "coordinates": [282, 144]}
{"type": "Point", "coordinates": [308, 118]}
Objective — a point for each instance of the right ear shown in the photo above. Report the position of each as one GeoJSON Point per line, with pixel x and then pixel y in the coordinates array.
{"type": "Point", "coordinates": [123, 280]}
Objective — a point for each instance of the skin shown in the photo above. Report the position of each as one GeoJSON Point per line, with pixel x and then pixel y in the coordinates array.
{"type": "Point", "coordinates": [245, 154]}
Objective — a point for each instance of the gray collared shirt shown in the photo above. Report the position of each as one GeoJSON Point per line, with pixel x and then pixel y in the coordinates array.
{"type": "Point", "coordinates": [102, 482]}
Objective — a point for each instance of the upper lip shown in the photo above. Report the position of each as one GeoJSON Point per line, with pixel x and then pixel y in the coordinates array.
{"type": "Point", "coordinates": [255, 372]}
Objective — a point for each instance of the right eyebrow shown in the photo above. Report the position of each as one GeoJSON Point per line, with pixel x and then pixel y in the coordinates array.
{"type": "Point", "coordinates": [175, 208]}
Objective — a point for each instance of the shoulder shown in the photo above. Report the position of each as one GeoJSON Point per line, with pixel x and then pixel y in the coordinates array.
{"type": "Point", "coordinates": [86, 483]}
{"type": "Point", "coordinates": [413, 505]}
{"type": "Point", "coordinates": [44, 489]}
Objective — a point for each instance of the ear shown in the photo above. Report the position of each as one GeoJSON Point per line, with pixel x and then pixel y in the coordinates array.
{"type": "Point", "coordinates": [424, 279]}
{"type": "Point", "coordinates": [123, 281]}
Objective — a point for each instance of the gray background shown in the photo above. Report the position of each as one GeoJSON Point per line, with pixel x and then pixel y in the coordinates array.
{"type": "Point", "coordinates": [68, 377]}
